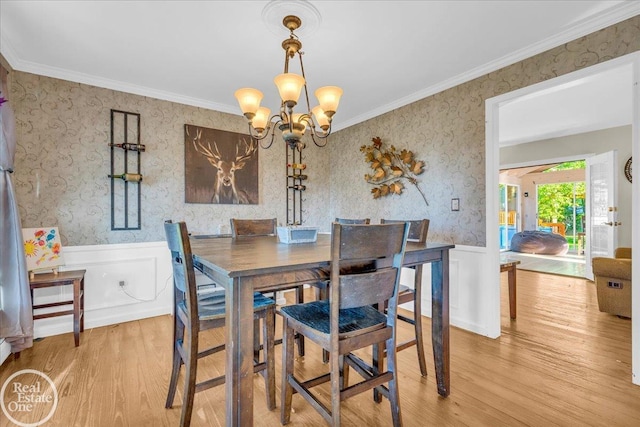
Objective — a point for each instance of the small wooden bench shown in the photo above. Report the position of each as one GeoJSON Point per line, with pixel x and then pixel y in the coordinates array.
{"type": "Point", "coordinates": [510, 266]}
{"type": "Point", "coordinates": [75, 278]}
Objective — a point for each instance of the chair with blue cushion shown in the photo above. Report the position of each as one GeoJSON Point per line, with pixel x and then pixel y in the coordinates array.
{"type": "Point", "coordinates": [418, 230]}
{"type": "Point", "coordinates": [348, 320]}
{"type": "Point", "coordinates": [321, 287]}
{"type": "Point", "coordinates": [196, 311]}
{"type": "Point", "coordinates": [266, 227]}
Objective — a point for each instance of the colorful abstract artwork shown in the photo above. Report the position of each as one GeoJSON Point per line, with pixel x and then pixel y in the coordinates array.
{"type": "Point", "coordinates": [42, 248]}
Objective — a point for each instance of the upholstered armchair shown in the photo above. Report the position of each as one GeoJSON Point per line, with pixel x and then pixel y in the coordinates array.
{"type": "Point", "coordinates": [613, 282]}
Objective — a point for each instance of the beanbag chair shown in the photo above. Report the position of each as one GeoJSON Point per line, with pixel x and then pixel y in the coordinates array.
{"type": "Point", "coordinates": [539, 242]}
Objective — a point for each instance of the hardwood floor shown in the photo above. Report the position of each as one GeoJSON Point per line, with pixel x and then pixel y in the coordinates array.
{"type": "Point", "coordinates": [560, 363]}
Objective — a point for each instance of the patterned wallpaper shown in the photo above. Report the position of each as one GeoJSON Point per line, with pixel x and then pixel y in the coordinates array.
{"type": "Point", "coordinates": [63, 159]}
{"type": "Point", "coordinates": [447, 131]}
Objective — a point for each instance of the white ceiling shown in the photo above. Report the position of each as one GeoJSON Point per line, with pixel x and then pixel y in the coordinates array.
{"type": "Point", "coordinates": [597, 102]}
{"type": "Point", "coordinates": [384, 54]}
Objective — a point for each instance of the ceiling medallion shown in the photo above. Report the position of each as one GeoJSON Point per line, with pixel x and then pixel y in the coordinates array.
{"type": "Point", "coordinates": [274, 11]}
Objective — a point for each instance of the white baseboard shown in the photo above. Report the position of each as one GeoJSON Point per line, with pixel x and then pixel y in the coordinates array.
{"type": "Point", "coordinates": [145, 268]}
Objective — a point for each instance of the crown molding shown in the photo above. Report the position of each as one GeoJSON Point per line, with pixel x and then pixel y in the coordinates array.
{"type": "Point", "coordinates": [97, 81]}
{"type": "Point", "coordinates": [7, 51]}
{"type": "Point", "coordinates": [621, 12]}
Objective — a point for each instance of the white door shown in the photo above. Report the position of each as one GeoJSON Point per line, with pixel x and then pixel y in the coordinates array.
{"type": "Point", "coordinates": [602, 208]}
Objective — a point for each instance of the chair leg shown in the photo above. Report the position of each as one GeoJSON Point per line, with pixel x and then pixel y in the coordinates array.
{"type": "Point", "coordinates": [269, 327]}
{"type": "Point", "coordinates": [321, 295]}
{"type": "Point", "coordinates": [178, 335]}
{"type": "Point", "coordinates": [287, 370]}
{"type": "Point", "coordinates": [378, 354]}
{"type": "Point", "coordinates": [334, 360]}
{"type": "Point", "coordinates": [417, 317]}
{"type": "Point", "coordinates": [300, 337]}
{"type": "Point", "coordinates": [394, 395]}
{"type": "Point", "coordinates": [344, 373]}
{"type": "Point", "coordinates": [191, 365]}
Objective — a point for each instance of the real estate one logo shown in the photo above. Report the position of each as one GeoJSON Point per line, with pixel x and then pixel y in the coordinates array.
{"type": "Point", "coordinates": [29, 394]}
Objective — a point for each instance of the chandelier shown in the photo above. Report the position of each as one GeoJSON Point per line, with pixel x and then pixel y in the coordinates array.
{"type": "Point", "coordinates": [290, 85]}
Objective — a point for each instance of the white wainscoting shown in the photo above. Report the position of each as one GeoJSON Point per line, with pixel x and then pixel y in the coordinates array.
{"type": "Point", "coordinates": [467, 265]}
{"type": "Point", "coordinates": [145, 269]}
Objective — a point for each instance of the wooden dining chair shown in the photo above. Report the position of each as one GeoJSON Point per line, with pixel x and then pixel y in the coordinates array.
{"type": "Point", "coordinates": [418, 230]}
{"type": "Point", "coordinates": [253, 227]}
{"type": "Point", "coordinates": [321, 290]}
{"type": "Point", "coordinates": [348, 320]}
{"type": "Point", "coordinates": [266, 227]}
{"type": "Point", "coordinates": [194, 313]}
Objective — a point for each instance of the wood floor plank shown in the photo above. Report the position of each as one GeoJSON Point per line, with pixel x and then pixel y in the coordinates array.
{"type": "Point", "coordinates": [560, 363]}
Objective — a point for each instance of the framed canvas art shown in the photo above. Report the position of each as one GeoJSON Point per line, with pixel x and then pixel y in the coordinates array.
{"type": "Point", "coordinates": [42, 248]}
{"type": "Point", "coordinates": [221, 167]}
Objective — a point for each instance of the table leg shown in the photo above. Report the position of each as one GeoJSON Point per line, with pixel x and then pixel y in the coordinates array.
{"type": "Point", "coordinates": [512, 291]}
{"type": "Point", "coordinates": [239, 352]}
{"type": "Point", "coordinates": [440, 322]}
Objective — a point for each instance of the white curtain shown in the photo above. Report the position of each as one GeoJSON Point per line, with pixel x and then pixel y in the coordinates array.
{"type": "Point", "coordinates": [16, 318]}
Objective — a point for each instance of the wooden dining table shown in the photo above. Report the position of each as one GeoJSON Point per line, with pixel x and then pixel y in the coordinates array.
{"type": "Point", "coordinates": [247, 264]}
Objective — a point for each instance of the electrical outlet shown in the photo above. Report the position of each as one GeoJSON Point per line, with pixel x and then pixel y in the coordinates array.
{"type": "Point", "coordinates": [615, 285]}
{"type": "Point", "coordinates": [121, 283]}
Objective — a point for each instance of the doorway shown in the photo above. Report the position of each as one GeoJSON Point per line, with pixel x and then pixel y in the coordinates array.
{"type": "Point", "coordinates": [552, 202]}
{"type": "Point", "coordinates": [631, 64]}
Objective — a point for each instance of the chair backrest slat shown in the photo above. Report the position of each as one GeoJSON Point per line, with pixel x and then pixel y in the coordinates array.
{"type": "Point", "coordinates": [368, 242]}
{"type": "Point", "coordinates": [253, 227]}
{"type": "Point", "coordinates": [353, 221]}
{"type": "Point", "coordinates": [357, 290]}
{"type": "Point", "coordinates": [383, 244]}
{"type": "Point", "coordinates": [418, 229]}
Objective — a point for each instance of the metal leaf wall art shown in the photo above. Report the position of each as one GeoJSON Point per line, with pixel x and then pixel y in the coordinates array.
{"type": "Point", "coordinates": [390, 167]}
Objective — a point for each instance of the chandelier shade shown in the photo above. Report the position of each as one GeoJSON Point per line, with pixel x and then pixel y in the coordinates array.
{"type": "Point", "coordinates": [290, 87]}
{"type": "Point", "coordinates": [329, 98]}
{"type": "Point", "coordinates": [261, 119]}
{"type": "Point", "coordinates": [249, 100]}
{"type": "Point", "coordinates": [321, 118]}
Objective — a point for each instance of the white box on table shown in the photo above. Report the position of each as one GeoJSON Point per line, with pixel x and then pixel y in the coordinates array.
{"type": "Point", "coordinates": [297, 234]}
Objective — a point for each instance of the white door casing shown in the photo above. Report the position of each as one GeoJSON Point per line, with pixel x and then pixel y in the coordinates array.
{"type": "Point", "coordinates": [601, 208]}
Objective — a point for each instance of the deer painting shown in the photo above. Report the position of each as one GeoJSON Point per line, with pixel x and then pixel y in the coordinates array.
{"type": "Point", "coordinates": [225, 187]}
